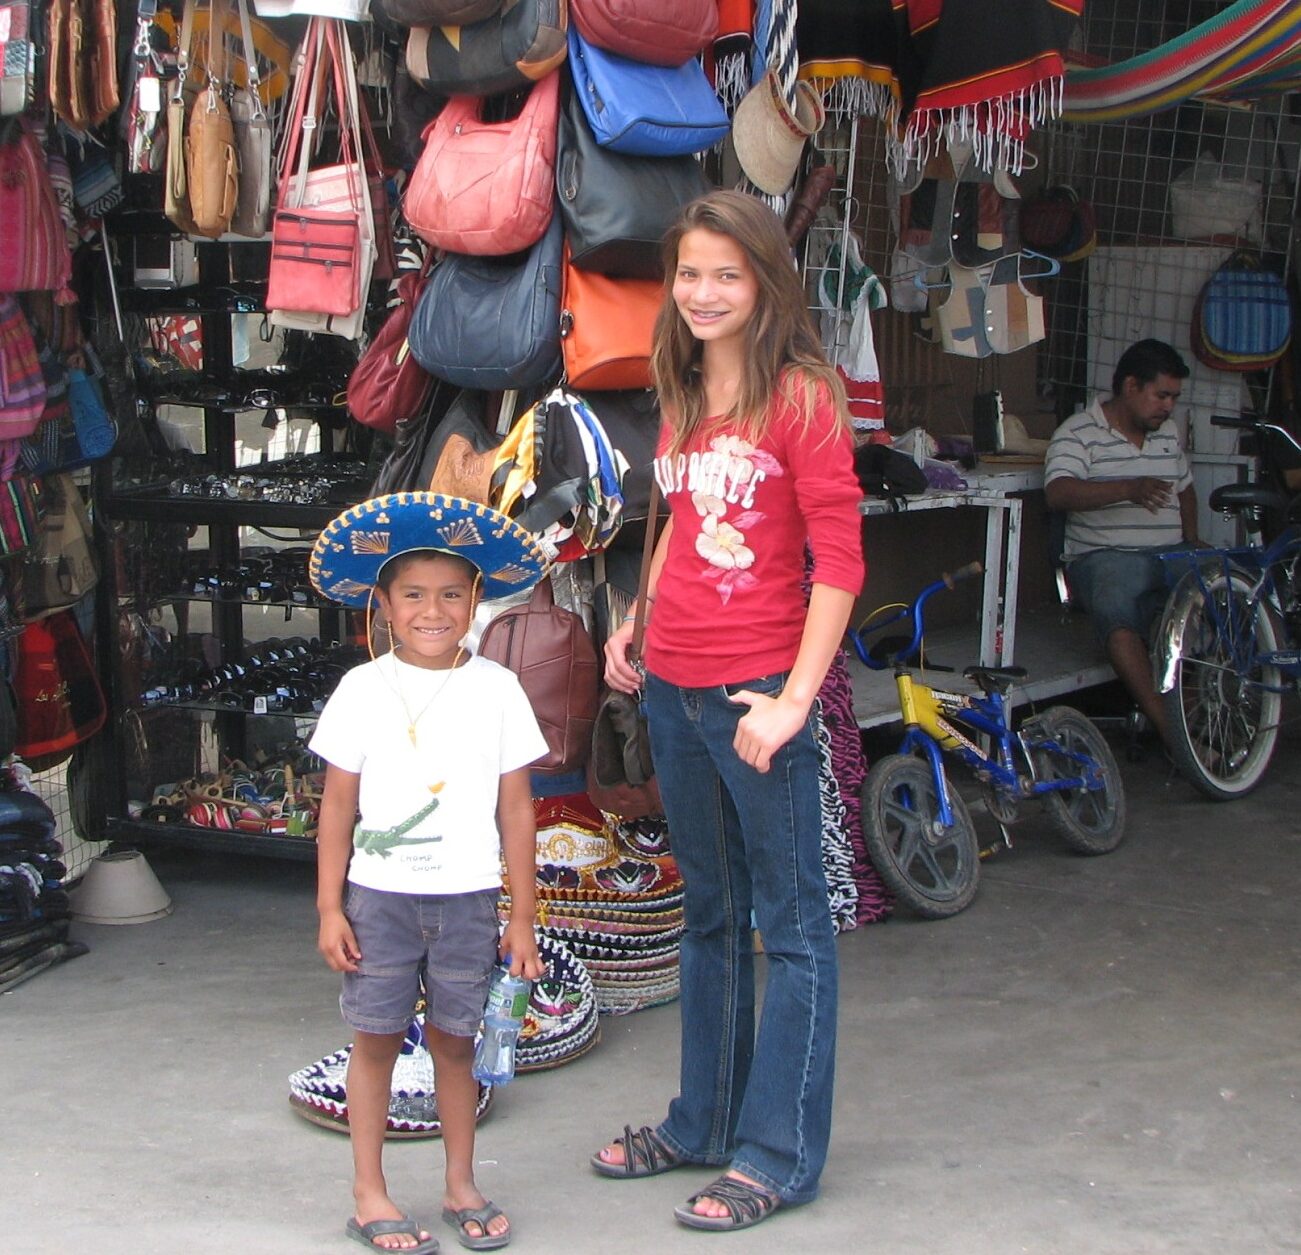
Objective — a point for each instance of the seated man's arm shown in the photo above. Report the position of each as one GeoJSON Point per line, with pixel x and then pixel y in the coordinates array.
{"type": "Point", "coordinates": [1068, 493]}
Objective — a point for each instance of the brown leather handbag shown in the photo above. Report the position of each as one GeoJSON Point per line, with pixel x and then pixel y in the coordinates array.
{"type": "Point", "coordinates": [553, 655]}
{"type": "Point", "coordinates": [606, 326]}
{"type": "Point", "coordinates": [211, 161]}
{"type": "Point", "coordinates": [82, 47]}
{"type": "Point", "coordinates": [655, 32]}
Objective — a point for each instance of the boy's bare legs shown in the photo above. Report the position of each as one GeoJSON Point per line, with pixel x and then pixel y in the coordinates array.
{"type": "Point", "coordinates": [458, 1097]}
{"type": "Point", "coordinates": [370, 1078]}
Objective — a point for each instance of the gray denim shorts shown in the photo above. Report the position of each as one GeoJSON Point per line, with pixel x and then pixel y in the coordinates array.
{"type": "Point", "coordinates": [445, 943]}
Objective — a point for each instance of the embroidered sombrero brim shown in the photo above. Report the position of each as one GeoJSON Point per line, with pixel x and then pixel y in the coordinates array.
{"type": "Point", "coordinates": [318, 1092]}
{"type": "Point", "coordinates": [561, 1021]}
{"type": "Point", "coordinates": [348, 554]}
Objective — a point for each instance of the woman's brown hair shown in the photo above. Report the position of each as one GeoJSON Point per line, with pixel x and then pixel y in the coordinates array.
{"type": "Point", "coordinates": [784, 353]}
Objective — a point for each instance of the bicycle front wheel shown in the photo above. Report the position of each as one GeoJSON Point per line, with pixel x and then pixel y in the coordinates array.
{"type": "Point", "coordinates": [1223, 710]}
{"type": "Point", "coordinates": [933, 870]}
{"type": "Point", "coordinates": [1091, 821]}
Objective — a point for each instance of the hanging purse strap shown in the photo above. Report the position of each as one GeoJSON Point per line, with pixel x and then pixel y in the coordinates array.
{"type": "Point", "coordinates": [643, 580]}
{"type": "Point", "coordinates": [183, 51]}
{"type": "Point", "coordinates": [254, 86]}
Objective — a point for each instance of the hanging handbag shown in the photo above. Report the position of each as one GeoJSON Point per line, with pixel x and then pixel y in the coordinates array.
{"type": "Point", "coordinates": [23, 391]}
{"type": "Point", "coordinates": [323, 232]}
{"type": "Point", "coordinates": [80, 433]}
{"type": "Point", "coordinates": [606, 328]}
{"type": "Point", "coordinates": [388, 385]}
{"type": "Point", "coordinates": [617, 207]}
{"type": "Point", "coordinates": [438, 12]}
{"type": "Point", "coordinates": [176, 184]}
{"type": "Point", "coordinates": [18, 36]}
{"type": "Point", "coordinates": [59, 567]}
{"type": "Point", "coordinates": [621, 773]}
{"type": "Point", "coordinates": [647, 110]}
{"type": "Point", "coordinates": [632, 421]}
{"type": "Point", "coordinates": [493, 323]}
{"type": "Point", "coordinates": [656, 32]}
{"type": "Point", "coordinates": [211, 163]}
{"type": "Point", "coordinates": [82, 50]}
{"type": "Point", "coordinates": [1242, 318]}
{"type": "Point", "coordinates": [21, 512]}
{"type": "Point", "coordinates": [552, 653]}
{"type": "Point", "coordinates": [60, 702]}
{"type": "Point", "coordinates": [520, 45]}
{"type": "Point", "coordinates": [33, 242]}
{"type": "Point", "coordinates": [487, 187]}
{"type": "Point", "coordinates": [253, 143]}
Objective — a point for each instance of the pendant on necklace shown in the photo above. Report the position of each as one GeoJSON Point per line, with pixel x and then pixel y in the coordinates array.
{"type": "Point", "coordinates": [411, 734]}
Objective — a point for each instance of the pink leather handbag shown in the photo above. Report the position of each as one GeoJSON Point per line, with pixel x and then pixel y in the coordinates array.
{"type": "Point", "coordinates": [487, 188]}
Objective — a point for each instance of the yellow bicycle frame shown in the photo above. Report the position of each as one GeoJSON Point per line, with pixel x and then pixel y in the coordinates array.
{"type": "Point", "coordinates": [922, 708]}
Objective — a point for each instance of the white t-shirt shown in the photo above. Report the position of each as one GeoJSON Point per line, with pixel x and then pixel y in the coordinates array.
{"type": "Point", "coordinates": [468, 735]}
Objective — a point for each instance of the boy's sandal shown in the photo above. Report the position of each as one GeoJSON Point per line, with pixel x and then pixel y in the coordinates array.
{"type": "Point", "coordinates": [746, 1205]}
{"type": "Point", "coordinates": [644, 1155]}
{"type": "Point", "coordinates": [483, 1240]}
{"type": "Point", "coordinates": [367, 1233]}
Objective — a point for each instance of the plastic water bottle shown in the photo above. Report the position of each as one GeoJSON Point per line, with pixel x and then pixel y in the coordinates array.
{"type": "Point", "coordinates": [503, 1017]}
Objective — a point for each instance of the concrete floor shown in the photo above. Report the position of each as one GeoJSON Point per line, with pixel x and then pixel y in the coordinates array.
{"type": "Point", "coordinates": [1099, 1056]}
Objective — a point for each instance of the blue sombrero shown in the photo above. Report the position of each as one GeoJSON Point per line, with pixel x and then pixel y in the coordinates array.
{"type": "Point", "coordinates": [348, 554]}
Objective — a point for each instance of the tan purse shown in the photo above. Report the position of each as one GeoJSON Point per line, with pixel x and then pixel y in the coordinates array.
{"type": "Point", "coordinates": [253, 142]}
{"type": "Point", "coordinates": [176, 185]}
{"type": "Point", "coordinates": [212, 166]}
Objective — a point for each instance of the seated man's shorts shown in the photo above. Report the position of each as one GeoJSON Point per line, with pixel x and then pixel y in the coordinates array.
{"type": "Point", "coordinates": [1120, 588]}
{"type": "Point", "coordinates": [446, 943]}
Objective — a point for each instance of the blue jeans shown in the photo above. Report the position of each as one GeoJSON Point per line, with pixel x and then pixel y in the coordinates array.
{"type": "Point", "coordinates": [1121, 588]}
{"type": "Point", "coordinates": [748, 841]}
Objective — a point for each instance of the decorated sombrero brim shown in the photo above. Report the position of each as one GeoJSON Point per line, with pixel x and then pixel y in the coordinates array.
{"type": "Point", "coordinates": [348, 554]}
{"type": "Point", "coordinates": [561, 1020]}
{"type": "Point", "coordinates": [318, 1092]}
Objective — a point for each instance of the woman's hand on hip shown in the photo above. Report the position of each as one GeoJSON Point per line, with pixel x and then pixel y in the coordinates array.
{"type": "Point", "coordinates": [766, 726]}
{"type": "Point", "coordinates": [619, 672]}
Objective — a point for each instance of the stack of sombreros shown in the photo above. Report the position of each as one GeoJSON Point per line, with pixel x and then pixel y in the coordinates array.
{"type": "Point", "coordinates": [612, 894]}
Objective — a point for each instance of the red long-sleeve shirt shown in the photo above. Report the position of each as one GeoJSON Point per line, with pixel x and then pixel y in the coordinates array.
{"type": "Point", "coordinates": [728, 605]}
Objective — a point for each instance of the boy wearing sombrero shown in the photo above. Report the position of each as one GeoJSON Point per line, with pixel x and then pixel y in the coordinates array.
{"type": "Point", "coordinates": [430, 746]}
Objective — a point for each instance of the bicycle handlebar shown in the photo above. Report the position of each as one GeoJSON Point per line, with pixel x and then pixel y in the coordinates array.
{"type": "Point", "coordinates": [914, 612]}
{"type": "Point", "coordinates": [1239, 423]}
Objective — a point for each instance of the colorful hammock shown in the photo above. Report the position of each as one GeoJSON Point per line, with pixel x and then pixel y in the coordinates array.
{"type": "Point", "coordinates": [1252, 48]}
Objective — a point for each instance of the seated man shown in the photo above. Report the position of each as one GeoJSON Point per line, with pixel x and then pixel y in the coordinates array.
{"type": "Point", "coordinates": [1118, 472]}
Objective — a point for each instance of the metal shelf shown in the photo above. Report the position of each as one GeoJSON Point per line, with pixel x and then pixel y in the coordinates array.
{"type": "Point", "coordinates": [206, 511]}
{"type": "Point", "coordinates": [216, 840]}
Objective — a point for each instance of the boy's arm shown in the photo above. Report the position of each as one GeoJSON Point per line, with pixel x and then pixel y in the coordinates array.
{"type": "Point", "coordinates": [519, 839]}
{"type": "Point", "coordinates": [337, 819]}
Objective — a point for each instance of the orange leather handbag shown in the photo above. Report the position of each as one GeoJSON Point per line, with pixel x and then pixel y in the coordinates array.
{"type": "Point", "coordinates": [606, 326]}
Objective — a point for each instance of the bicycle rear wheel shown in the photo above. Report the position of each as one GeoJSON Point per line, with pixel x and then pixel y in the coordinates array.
{"type": "Point", "coordinates": [1223, 710]}
{"type": "Point", "coordinates": [933, 870]}
{"type": "Point", "coordinates": [1091, 821]}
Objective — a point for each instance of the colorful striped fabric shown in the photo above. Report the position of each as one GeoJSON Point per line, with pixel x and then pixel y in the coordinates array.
{"type": "Point", "coordinates": [22, 383]}
{"type": "Point", "coordinates": [1251, 47]}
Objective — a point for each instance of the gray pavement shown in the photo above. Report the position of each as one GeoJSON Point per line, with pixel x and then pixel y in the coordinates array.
{"type": "Point", "coordinates": [1099, 1056]}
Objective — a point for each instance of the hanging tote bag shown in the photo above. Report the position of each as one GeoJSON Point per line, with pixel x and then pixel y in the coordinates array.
{"type": "Point", "coordinates": [176, 182]}
{"type": "Point", "coordinates": [253, 143]}
{"type": "Point", "coordinates": [617, 208]}
{"type": "Point", "coordinates": [323, 232]}
{"type": "Point", "coordinates": [487, 187]}
{"type": "Point", "coordinates": [388, 385]}
{"type": "Point", "coordinates": [647, 110]}
{"type": "Point", "coordinates": [211, 163]}
{"type": "Point", "coordinates": [33, 242]}
{"type": "Point", "coordinates": [606, 326]}
{"type": "Point", "coordinates": [493, 323]}
{"type": "Point", "coordinates": [59, 567]}
{"type": "Point", "coordinates": [656, 32]}
{"type": "Point", "coordinates": [60, 702]}
{"type": "Point", "coordinates": [522, 44]}
{"type": "Point", "coordinates": [19, 27]}
{"type": "Point", "coordinates": [82, 52]}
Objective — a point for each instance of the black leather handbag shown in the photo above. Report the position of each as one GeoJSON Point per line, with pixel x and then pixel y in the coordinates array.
{"type": "Point", "coordinates": [617, 207]}
{"type": "Point", "coordinates": [493, 323]}
{"type": "Point", "coordinates": [511, 49]}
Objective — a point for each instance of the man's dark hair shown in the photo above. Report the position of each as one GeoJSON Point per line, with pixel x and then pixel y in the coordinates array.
{"type": "Point", "coordinates": [1144, 361]}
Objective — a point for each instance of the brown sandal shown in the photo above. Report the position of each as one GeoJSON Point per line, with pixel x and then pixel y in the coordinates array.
{"type": "Point", "coordinates": [644, 1155]}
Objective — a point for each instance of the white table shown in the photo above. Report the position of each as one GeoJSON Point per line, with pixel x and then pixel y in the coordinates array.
{"type": "Point", "coordinates": [992, 488]}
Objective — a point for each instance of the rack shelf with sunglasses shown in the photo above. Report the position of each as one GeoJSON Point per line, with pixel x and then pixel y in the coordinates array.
{"type": "Point", "coordinates": [242, 652]}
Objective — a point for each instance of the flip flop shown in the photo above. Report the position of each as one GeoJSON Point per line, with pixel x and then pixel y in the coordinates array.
{"type": "Point", "coordinates": [746, 1205]}
{"type": "Point", "coordinates": [644, 1155]}
{"type": "Point", "coordinates": [367, 1233]}
{"type": "Point", "coordinates": [485, 1241]}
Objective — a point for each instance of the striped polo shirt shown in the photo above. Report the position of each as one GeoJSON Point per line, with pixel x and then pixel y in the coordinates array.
{"type": "Point", "coordinates": [1086, 446]}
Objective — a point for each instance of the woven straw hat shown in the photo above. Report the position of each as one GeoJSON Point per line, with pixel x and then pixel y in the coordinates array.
{"type": "Point", "coordinates": [769, 137]}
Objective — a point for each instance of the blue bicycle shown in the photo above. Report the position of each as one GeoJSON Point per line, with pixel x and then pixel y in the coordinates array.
{"type": "Point", "coordinates": [918, 830]}
{"type": "Point", "coordinates": [1226, 651]}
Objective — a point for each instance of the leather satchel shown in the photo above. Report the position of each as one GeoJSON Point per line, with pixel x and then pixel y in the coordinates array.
{"type": "Point", "coordinates": [493, 323]}
{"type": "Point", "coordinates": [212, 165]}
{"type": "Point", "coordinates": [486, 187]}
{"type": "Point", "coordinates": [646, 110]}
{"type": "Point", "coordinates": [656, 32]}
{"type": "Point", "coordinates": [82, 50]}
{"type": "Point", "coordinates": [617, 207]}
{"type": "Point", "coordinates": [552, 653]}
{"type": "Point", "coordinates": [606, 328]}
{"type": "Point", "coordinates": [388, 385]}
{"type": "Point", "coordinates": [438, 12]}
{"type": "Point", "coordinates": [520, 45]}
{"type": "Point", "coordinates": [253, 143]}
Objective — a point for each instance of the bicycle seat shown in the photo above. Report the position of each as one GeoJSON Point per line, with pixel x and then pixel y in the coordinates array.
{"type": "Point", "coordinates": [994, 679]}
{"type": "Point", "coordinates": [1230, 498]}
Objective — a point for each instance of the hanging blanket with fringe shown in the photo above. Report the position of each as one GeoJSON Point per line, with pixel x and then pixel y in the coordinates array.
{"type": "Point", "coordinates": [857, 53]}
{"type": "Point", "coordinates": [1251, 48]}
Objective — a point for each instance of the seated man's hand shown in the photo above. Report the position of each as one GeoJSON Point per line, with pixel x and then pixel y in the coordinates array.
{"type": "Point", "coordinates": [1152, 494]}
